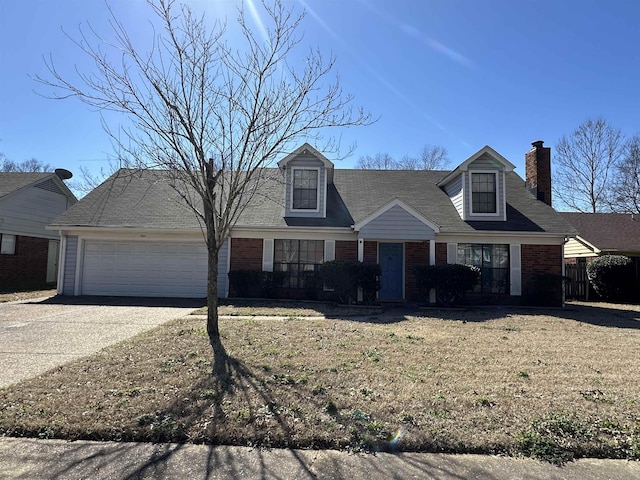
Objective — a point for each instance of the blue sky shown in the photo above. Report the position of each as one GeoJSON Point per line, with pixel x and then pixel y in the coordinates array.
{"type": "Point", "coordinates": [457, 73]}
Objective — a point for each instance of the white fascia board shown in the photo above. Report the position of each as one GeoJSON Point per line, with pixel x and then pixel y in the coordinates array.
{"type": "Point", "coordinates": [393, 203]}
{"type": "Point", "coordinates": [464, 166]}
{"type": "Point", "coordinates": [298, 233]}
{"type": "Point", "coordinates": [325, 161]}
{"type": "Point", "coordinates": [587, 244]}
{"type": "Point", "coordinates": [502, 237]}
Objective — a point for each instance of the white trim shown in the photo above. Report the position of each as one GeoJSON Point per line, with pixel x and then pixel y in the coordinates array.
{"type": "Point", "coordinates": [432, 252]}
{"type": "Point", "coordinates": [297, 234]}
{"type": "Point", "coordinates": [563, 266]}
{"type": "Point", "coordinates": [464, 166]}
{"type": "Point", "coordinates": [267, 254]}
{"type": "Point", "coordinates": [303, 150]}
{"type": "Point", "coordinates": [61, 263]}
{"type": "Point", "coordinates": [497, 193]}
{"type": "Point", "coordinates": [291, 189]}
{"type": "Point", "coordinates": [464, 196]}
{"type": "Point", "coordinates": [361, 249]}
{"type": "Point", "coordinates": [515, 269]}
{"type": "Point", "coordinates": [504, 238]}
{"type": "Point", "coordinates": [329, 250]}
{"type": "Point", "coordinates": [452, 252]}
{"type": "Point", "coordinates": [399, 203]}
{"type": "Point", "coordinates": [79, 264]}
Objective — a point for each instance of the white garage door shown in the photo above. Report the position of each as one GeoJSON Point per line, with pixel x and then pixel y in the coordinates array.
{"type": "Point", "coordinates": [144, 269]}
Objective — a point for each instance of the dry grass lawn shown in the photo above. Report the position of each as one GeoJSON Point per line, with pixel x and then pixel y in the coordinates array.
{"type": "Point", "coordinates": [552, 384]}
{"type": "Point", "coordinates": [14, 295]}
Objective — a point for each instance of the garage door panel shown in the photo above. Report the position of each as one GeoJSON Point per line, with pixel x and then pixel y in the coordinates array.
{"type": "Point", "coordinates": [144, 269]}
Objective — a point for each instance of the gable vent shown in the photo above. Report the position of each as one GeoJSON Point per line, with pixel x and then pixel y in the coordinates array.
{"type": "Point", "coordinates": [50, 186]}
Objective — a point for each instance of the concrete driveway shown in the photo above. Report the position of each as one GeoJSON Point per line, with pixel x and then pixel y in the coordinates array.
{"type": "Point", "coordinates": [40, 334]}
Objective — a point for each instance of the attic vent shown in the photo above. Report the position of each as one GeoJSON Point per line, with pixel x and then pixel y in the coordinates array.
{"type": "Point", "coordinates": [49, 185]}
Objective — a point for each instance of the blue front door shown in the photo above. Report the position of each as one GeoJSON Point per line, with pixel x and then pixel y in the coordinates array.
{"type": "Point", "coordinates": [390, 259]}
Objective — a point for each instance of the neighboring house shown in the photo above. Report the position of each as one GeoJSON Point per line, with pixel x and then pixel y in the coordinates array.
{"type": "Point", "coordinates": [28, 203]}
{"type": "Point", "coordinates": [133, 235]}
{"type": "Point", "coordinates": [600, 234]}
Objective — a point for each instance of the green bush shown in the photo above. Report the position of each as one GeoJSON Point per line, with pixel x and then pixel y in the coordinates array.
{"type": "Point", "coordinates": [256, 283]}
{"type": "Point", "coordinates": [344, 277]}
{"type": "Point", "coordinates": [451, 281]}
{"type": "Point", "coordinates": [612, 277]}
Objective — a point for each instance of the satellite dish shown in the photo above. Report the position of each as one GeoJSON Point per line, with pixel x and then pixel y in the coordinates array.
{"type": "Point", "coordinates": [63, 174]}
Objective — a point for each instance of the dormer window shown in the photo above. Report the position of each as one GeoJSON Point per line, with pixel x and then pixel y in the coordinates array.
{"type": "Point", "coordinates": [483, 193]}
{"type": "Point", "coordinates": [305, 189]}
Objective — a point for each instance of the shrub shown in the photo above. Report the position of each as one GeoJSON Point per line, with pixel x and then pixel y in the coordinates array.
{"type": "Point", "coordinates": [548, 290]}
{"type": "Point", "coordinates": [612, 277]}
{"type": "Point", "coordinates": [340, 276]}
{"type": "Point", "coordinates": [450, 281]}
{"type": "Point", "coordinates": [256, 283]}
{"type": "Point", "coordinates": [369, 275]}
{"type": "Point", "coordinates": [246, 283]}
{"type": "Point", "coordinates": [344, 277]}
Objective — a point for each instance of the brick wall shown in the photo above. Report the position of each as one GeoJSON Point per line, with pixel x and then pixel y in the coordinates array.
{"type": "Point", "coordinates": [346, 250]}
{"type": "Point", "coordinates": [441, 253]}
{"type": "Point", "coordinates": [370, 252]}
{"type": "Point", "coordinates": [28, 267]}
{"type": "Point", "coordinates": [415, 254]}
{"type": "Point", "coordinates": [540, 260]}
{"type": "Point", "coordinates": [246, 254]}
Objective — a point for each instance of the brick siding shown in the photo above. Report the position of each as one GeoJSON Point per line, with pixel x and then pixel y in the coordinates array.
{"type": "Point", "coordinates": [246, 254]}
{"type": "Point", "coordinates": [415, 254]}
{"type": "Point", "coordinates": [370, 252]}
{"type": "Point", "coordinates": [441, 253]}
{"type": "Point", "coordinates": [346, 250]}
{"type": "Point", "coordinates": [540, 260]}
{"type": "Point", "coordinates": [28, 267]}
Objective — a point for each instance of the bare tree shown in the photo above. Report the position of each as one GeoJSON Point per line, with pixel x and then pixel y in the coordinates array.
{"type": "Point", "coordinates": [210, 112]}
{"type": "Point", "coordinates": [433, 157]}
{"type": "Point", "coordinates": [380, 161]}
{"type": "Point", "coordinates": [625, 191]}
{"type": "Point", "coordinates": [32, 165]}
{"type": "Point", "coordinates": [584, 165]}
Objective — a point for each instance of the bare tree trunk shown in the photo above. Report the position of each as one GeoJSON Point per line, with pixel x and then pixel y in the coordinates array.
{"type": "Point", "coordinates": [220, 356]}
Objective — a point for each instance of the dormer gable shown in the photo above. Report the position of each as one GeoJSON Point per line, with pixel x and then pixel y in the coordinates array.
{"type": "Point", "coordinates": [476, 187]}
{"type": "Point", "coordinates": [307, 174]}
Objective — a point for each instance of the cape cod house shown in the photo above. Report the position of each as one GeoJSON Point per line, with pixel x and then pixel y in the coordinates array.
{"type": "Point", "coordinates": [134, 236]}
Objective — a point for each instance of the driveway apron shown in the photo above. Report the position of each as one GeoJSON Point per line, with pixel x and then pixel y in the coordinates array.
{"type": "Point", "coordinates": [41, 334]}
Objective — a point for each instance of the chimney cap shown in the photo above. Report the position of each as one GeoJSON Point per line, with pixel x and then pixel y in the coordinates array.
{"type": "Point", "coordinates": [537, 144]}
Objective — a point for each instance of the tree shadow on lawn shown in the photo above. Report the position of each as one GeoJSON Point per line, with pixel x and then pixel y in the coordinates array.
{"type": "Point", "coordinates": [592, 314]}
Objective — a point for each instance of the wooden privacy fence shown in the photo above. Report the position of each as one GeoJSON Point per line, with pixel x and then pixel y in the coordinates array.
{"type": "Point", "coordinates": [577, 286]}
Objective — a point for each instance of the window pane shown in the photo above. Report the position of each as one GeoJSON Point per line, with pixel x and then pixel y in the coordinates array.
{"type": "Point", "coordinates": [7, 244]}
{"type": "Point", "coordinates": [295, 256]}
{"type": "Point", "coordinates": [483, 192]}
{"type": "Point", "coordinates": [305, 189]}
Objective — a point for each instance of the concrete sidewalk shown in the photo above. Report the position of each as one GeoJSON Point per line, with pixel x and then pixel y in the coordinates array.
{"type": "Point", "coordinates": [58, 460]}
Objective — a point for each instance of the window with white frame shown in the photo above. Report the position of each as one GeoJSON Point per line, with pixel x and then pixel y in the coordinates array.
{"type": "Point", "coordinates": [7, 244]}
{"type": "Point", "coordinates": [305, 189]}
{"type": "Point", "coordinates": [299, 258]}
{"type": "Point", "coordinates": [493, 262]}
{"type": "Point", "coordinates": [484, 193]}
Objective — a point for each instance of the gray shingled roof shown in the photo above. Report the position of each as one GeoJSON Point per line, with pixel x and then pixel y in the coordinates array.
{"type": "Point", "coordinates": [146, 200]}
{"type": "Point", "coordinates": [610, 232]}
{"type": "Point", "coordinates": [13, 181]}
{"type": "Point", "coordinates": [131, 199]}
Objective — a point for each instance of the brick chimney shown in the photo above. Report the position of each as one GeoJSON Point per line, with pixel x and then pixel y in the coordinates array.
{"type": "Point", "coordinates": [538, 171]}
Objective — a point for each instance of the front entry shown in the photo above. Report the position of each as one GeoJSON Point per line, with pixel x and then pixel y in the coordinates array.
{"type": "Point", "coordinates": [390, 256]}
